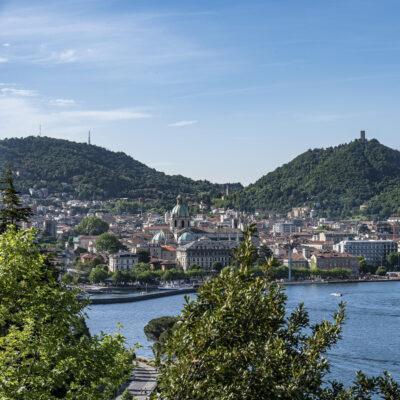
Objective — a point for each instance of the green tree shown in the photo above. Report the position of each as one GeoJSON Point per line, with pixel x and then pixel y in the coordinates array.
{"type": "Point", "coordinates": [12, 212]}
{"type": "Point", "coordinates": [67, 279]}
{"type": "Point", "coordinates": [173, 275]}
{"type": "Point", "coordinates": [109, 242]}
{"type": "Point", "coordinates": [381, 271]}
{"type": "Point", "coordinates": [91, 226]}
{"type": "Point", "coordinates": [157, 326]}
{"type": "Point", "coordinates": [236, 341]}
{"type": "Point", "coordinates": [126, 395]}
{"type": "Point", "coordinates": [393, 260]}
{"type": "Point", "coordinates": [44, 350]}
{"type": "Point", "coordinates": [98, 274]}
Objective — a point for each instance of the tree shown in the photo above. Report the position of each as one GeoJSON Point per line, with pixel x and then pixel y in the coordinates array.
{"type": "Point", "coordinates": [264, 254]}
{"type": "Point", "coordinates": [91, 226]}
{"type": "Point", "coordinates": [381, 271]}
{"type": "Point", "coordinates": [67, 279]}
{"type": "Point", "coordinates": [393, 260]}
{"type": "Point", "coordinates": [217, 266]}
{"type": "Point", "coordinates": [157, 326]}
{"type": "Point", "coordinates": [126, 395]}
{"type": "Point", "coordinates": [12, 212]}
{"type": "Point", "coordinates": [236, 341]}
{"type": "Point", "coordinates": [45, 352]}
{"type": "Point", "coordinates": [109, 242]}
{"type": "Point", "coordinates": [173, 275]}
{"type": "Point", "coordinates": [144, 256]}
{"type": "Point", "coordinates": [98, 274]}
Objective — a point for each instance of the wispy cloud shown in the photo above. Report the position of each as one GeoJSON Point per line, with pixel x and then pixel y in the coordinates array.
{"type": "Point", "coordinates": [62, 102]}
{"type": "Point", "coordinates": [70, 35]}
{"type": "Point", "coordinates": [184, 123]}
{"type": "Point", "coordinates": [39, 110]}
{"type": "Point", "coordinates": [3, 60]}
{"type": "Point", "coordinates": [11, 91]}
{"type": "Point", "coordinates": [104, 115]}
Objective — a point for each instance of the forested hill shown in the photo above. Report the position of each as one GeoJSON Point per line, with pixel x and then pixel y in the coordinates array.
{"type": "Point", "coordinates": [92, 172]}
{"type": "Point", "coordinates": [335, 181]}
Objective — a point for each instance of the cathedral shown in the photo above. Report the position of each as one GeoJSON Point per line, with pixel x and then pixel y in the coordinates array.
{"type": "Point", "coordinates": [190, 245]}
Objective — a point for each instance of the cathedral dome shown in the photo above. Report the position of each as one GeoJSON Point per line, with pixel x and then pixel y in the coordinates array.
{"type": "Point", "coordinates": [181, 210]}
{"type": "Point", "coordinates": [159, 238]}
{"type": "Point", "coordinates": [186, 237]}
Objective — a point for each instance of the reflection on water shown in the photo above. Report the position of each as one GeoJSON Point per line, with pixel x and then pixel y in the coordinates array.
{"type": "Point", "coordinates": [371, 339]}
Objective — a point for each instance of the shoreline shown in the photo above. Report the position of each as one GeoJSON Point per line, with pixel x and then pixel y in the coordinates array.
{"type": "Point", "coordinates": [176, 292]}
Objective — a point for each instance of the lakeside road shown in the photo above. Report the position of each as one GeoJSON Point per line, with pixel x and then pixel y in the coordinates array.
{"type": "Point", "coordinates": [143, 381]}
{"type": "Point", "coordinates": [175, 292]}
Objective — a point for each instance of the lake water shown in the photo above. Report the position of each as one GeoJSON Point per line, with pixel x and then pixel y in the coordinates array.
{"type": "Point", "coordinates": [371, 335]}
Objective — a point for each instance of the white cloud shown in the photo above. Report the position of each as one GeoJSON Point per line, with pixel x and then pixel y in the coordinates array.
{"type": "Point", "coordinates": [3, 60]}
{"type": "Point", "coordinates": [184, 123]}
{"type": "Point", "coordinates": [104, 115]}
{"type": "Point", "coordinates": [6, 44]}
{"type": "Point", "coordinates": [10, 91]}
{"type": "Point", "coordinates": [66, 56]}
{"type": "Point", "coordinates": [62, 102]}
{"type": "Point", "coordinates": [23, 110]}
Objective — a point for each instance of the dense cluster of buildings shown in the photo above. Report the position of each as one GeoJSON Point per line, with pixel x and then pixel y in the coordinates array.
{"type": "Point", "coordinates": [206, 239]}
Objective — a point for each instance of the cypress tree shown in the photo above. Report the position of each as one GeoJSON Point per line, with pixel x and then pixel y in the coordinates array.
{"type": "Point", "coordinates": [12, 212]}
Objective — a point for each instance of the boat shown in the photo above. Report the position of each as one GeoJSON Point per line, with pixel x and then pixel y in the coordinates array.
{"type": "Point", "coordinates": [337, 294]}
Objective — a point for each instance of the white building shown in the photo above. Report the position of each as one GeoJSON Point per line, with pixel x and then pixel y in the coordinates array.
{"type": "Point", "coordinates": [374, 251]}
{"type": "Point", "coordinates": [122, 261]}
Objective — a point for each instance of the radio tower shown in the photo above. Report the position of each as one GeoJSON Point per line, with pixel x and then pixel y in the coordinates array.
{"type": "Point", "coordinates": [89, 141]}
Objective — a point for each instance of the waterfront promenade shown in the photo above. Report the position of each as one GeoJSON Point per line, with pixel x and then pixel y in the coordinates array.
{"type": "Point", "coordinates": [174, 292]}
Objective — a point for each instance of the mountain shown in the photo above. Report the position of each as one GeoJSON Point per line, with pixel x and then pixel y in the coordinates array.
{"type": "Point", "coordinates": [92, 172]}
{"type": "Point", "coordinates": [335, 181]}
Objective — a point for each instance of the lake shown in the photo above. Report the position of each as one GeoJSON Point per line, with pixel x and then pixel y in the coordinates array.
{"type": "Point", "coordinates": [371, 335]}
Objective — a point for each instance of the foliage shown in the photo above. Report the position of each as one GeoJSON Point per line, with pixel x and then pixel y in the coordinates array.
{"type": "Point", "coordinates": [98, 275]}
{"type": "Point", "coordinates": [109, 242]}
{"type": "Point", "coordinates": [12, 211]}
{"type": "Point", "coordinates": [91, 226]}
{"type": "Point", "coordinates": [173, 275]}
{"type": "Point", "coordinates": [91, 172]}
{"type": "Point", "coordinates": [157, 326]}
{"type": "Point", "coordinates": [393, 260]}
{"type": "Point", "coordinates": [381, 271]}
{"type": "Point", "coordinates": [335, 181]}
{"type": "Point", "coordinates": [236, 341]}
{"type": "Point", "coordinates": [44, 350]}
{"type": "Point", "coordinates": [126, 395]}
{"type": "Point", "coordinates": [67, 279]}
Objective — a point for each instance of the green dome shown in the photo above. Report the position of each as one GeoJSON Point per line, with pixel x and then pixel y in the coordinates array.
{"type": "Point", "coordinates": [186, 237]}
{"type": "Point", "coordinates": [159, 238]}
{"type": "Point", "coordinates": [181, 210]}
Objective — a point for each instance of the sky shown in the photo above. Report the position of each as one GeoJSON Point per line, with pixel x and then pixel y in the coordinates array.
{"type": "Point", "coordinates": [219, 90]}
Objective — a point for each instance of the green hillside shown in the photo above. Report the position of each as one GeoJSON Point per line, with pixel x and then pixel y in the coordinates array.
{"type": "Point", "coordinates": [335, 181]}
{"type": "Point", "coordinates": [92, 172]}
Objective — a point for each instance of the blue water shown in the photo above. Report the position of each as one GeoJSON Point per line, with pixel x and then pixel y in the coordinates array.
{"type": "Point", "coordinates": [371, 335]}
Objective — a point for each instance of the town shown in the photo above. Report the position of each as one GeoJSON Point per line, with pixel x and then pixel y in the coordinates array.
{"type": "Point", "coordinates": [96, 245]}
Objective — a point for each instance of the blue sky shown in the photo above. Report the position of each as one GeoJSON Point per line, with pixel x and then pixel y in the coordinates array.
{"type": "Point", "coordinates": [222, 90]}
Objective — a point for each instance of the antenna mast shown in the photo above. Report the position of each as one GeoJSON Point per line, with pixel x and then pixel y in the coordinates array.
{"type": "Point", "coordinates": [89, 140]}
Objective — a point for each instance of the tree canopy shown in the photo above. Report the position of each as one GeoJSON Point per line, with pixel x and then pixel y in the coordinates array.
{"type": "Point", "coordinates": [92, 172]}
{"type": "Point", "coordinates": [109, 242]}
{"type": "Point", "coordinates": [44, 352]}
{"type": "Point", "coordinates": [334, 181]}
{"type": "Point", "coordinates": [92, 226]}
{"type": "Point", "coordinates": [12, 211]}
{"type": "Point", "coordinates": [236, 341]}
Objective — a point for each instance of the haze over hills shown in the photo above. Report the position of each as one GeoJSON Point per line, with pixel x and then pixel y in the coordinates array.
{"type": "Point", "coordinates": [335, 181]}
{"type": "Point", "coordinates": [92, 172]}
